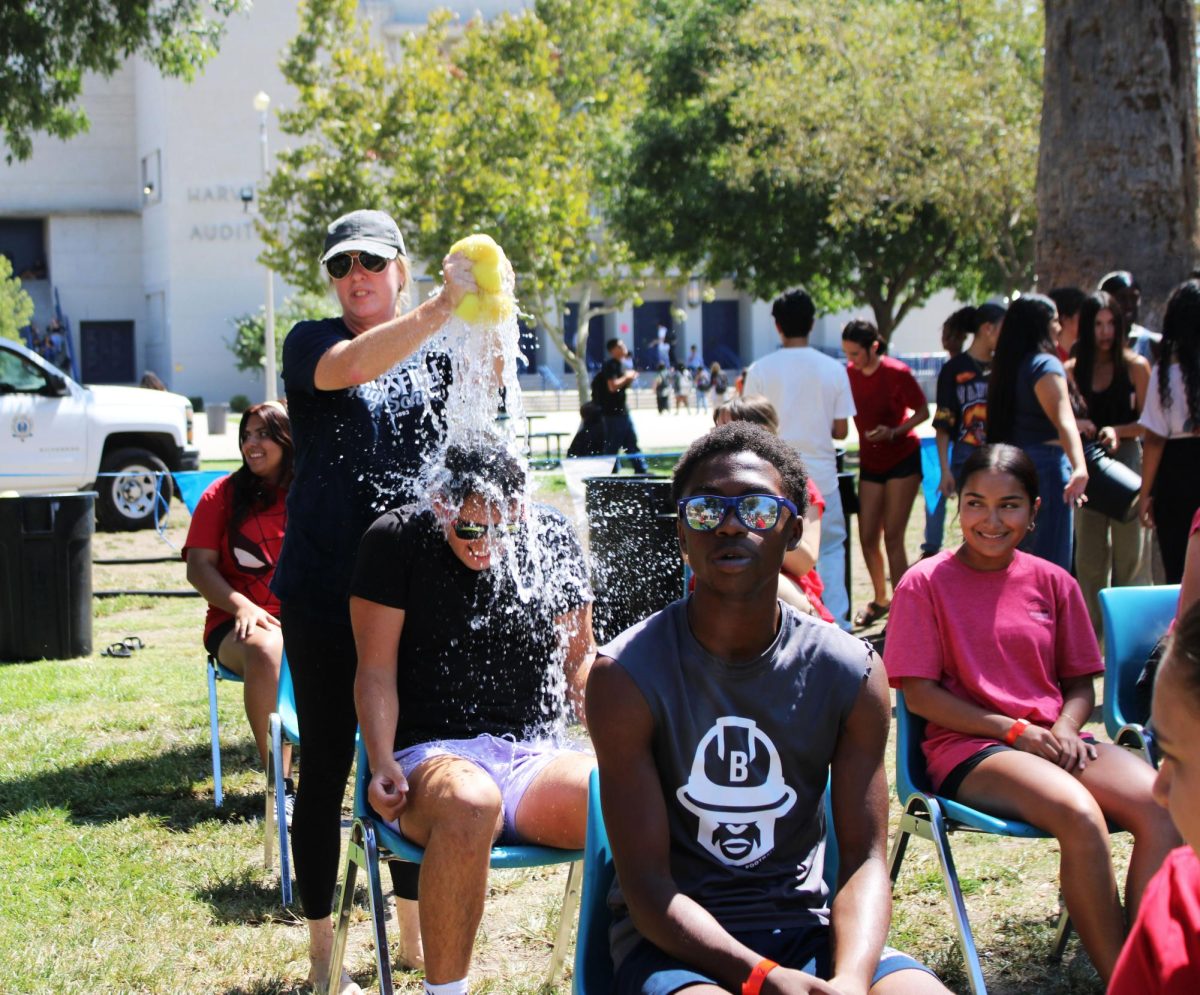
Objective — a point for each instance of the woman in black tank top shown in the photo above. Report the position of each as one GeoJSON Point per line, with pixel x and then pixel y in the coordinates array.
{"type": "Point", "coordinates": [1111, 379]}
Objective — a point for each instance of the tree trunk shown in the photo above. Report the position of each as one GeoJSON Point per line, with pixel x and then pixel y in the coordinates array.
{"type": "Point", "coordinates": [1117, 186]}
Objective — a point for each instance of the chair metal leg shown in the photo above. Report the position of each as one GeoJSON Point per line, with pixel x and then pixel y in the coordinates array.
{"type": "Point", "coordinates": [276, 821]}
{"type": "Point", "coordinates": [1062, 936]}
{"type": "Point", "coordinates": [215, 734]}
{"type": "Point", "coordinates": [566, 921]}
{"type": "Point", "coordinates": [344, 903]}
{"type": "Point", "coordinates": [383, 961]}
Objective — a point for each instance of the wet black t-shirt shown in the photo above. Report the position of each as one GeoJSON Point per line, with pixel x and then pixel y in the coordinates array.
{"type": "Point", "coordinates": [356, 450]}
{"type": "Point", "coordinates": [478, 653]}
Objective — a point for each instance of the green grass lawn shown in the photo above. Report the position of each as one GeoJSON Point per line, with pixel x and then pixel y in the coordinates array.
{"type": "Point", "coordinates": [118, 875]}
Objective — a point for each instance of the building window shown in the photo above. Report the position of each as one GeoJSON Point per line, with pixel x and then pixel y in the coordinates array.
{"type": "Point", "coordinates": [152, 178]}
{"type": "Point", "coordinates": [23, 241]}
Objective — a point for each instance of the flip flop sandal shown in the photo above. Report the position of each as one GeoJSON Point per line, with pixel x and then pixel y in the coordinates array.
{"type": "Point", "coordinates": [133, 643]}
{"type": "Point", "coordinates": [117, 649]}
{"type": "Point", "coordinates": [871, 614]}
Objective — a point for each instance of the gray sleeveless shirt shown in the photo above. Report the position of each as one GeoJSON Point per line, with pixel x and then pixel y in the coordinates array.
{"type": "Point", "coordinates": [743, 753]}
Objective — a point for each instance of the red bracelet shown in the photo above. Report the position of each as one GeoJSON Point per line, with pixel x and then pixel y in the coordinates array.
{"type": "Point", "coordinates": [753, 984]}
{"type": "Point", "coordinates": [1014, 731]}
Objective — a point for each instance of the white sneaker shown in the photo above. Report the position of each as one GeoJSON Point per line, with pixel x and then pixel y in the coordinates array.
{"type": "Point", "coordinates": [289, 801]}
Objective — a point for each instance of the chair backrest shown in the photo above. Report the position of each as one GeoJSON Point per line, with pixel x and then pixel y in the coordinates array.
{"type": "Point", "coordinates": [1134, 619]}
{"type": "Point", "coordinates": [911, 776]}
{"type": "Point", "coordinates": [193, 483]}
{"type": "Point", "coordinates": [593, 960]}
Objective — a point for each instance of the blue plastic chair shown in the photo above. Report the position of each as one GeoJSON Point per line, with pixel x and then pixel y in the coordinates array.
{"type": "Point", "coordinates": [1134, 620]}
{"type": "Point", "coordinates": [216, 672]}
{"type": "Point", "coordinates": [283, 726]}
{"type": "Point", "coordinates": [192, 484]}
{"type": "Point", "coordinates": [373, 841]}
{"type": "Point", "coordinates": [934, 818]}
{"type": "Point", "coordinates": [593, 957]}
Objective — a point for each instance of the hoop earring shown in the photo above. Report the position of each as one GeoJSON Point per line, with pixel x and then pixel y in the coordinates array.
{"type": "Point", "coordinates": [1031, 526]}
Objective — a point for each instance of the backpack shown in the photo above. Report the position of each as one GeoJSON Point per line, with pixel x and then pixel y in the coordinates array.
{"type": "Point", "coordinates": [599, 386]}
{"type": "Point", "coordinates": [701, 382]}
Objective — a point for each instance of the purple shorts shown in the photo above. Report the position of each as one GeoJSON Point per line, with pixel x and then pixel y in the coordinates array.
{"type": "Point", "coordinates": [511, 764]}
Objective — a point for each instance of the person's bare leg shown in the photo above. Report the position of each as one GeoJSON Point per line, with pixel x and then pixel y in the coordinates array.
{"type": "Point", "coordinates": [1041, 793]}
{"type": "Point", "coordinates": [554, 808]}
{"type": "Point", "coordinates": [320, 952]}
{"type": "Point", "coordinates": [1120, 782]}
{"type": "Point", "coordinates": [411, 954]}
{"type": "Point", "coordinates": [909, 982]}
{"type": "Point", "coordinates": [870, 536]}
{"type": "Point", "coordinates": [455, 812]}
{"type": "Point", "coordinates": [899, 495]}
{"type": "Point", "coordinates": [256, 660]}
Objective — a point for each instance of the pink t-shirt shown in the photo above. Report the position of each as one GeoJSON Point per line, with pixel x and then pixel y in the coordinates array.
{"type": "Point", "coordinates": [1003, 640]}
{"type": "Point", "coordinates": [1162, 954]}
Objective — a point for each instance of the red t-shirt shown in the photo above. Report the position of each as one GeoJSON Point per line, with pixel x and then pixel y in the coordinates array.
{"type": "Point", "coordinates": [1004, 640]}
{"type": "Point", "coordinates": [245, 559]}
{"type": "Point", "coordinates": [1162, 953]}
{"type": "Point", "coordinates": [887, 397]}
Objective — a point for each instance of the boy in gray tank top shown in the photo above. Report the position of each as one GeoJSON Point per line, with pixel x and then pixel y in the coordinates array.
{"type": "Point", "coordinates": [716, 724]}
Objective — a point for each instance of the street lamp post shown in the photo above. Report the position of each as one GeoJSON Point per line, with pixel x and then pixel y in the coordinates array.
{"type": "Point", "coordinates": [262, 103]}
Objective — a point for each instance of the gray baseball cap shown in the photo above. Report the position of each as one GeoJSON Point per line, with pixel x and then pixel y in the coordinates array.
{"type": "Point", "coordinates": [364, 231]}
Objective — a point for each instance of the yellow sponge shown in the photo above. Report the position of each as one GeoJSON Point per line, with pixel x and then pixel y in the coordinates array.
{"type": "Point", "coordinates": [493, 304]}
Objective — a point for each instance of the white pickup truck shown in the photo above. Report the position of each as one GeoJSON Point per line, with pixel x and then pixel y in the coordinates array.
{"type": "Point", "coordinates": [123, 442]}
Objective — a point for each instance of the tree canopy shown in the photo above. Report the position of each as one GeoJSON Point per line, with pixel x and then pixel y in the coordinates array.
{"type": "Point", "coordinates": [510, 127]}
{"type": "Point", "coordinates": [47, 45]}
{"type": "Point", "coordinates": [16, 306]}
{"type": "Point", "coordinates": [874, 151]}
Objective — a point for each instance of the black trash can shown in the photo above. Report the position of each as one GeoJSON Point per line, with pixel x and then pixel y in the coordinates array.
{"type": "Point", "coordinates": [634, 550]}
{"type": "Point", "coordinates": [46, 576]}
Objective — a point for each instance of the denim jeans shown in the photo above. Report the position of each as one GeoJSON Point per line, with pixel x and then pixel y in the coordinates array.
{"type": "Point", "coordinates": [1055, 523]}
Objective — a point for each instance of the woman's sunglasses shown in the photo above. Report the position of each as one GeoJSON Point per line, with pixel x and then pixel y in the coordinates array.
{"type": "Point", "coordinates": [757, 512]}
{"type": "Point", "coordinates": [471, 531]}
{"type": "Point", "coordinates": [339, 266]}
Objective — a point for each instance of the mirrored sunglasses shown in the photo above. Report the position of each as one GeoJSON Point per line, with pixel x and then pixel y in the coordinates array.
{"type": "Point", "coordinates": [477, 530]}
{"type": "Point", "coordinates": [757, 512]}
{"type": "Point", "coordinates": [339, 266]}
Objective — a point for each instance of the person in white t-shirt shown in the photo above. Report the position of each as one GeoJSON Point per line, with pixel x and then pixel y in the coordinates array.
{"type": "Point", "coordinates": [811, 393]}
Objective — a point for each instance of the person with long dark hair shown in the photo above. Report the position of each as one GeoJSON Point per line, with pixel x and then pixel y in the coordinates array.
{"type": "Point", "coordinates": [231, 549]}
{"type": "Point", "coordinates": [1029, 406]}
{"type": "Point", "coordinates": [1111, 379]}
{"type": "Point", "coordinates": [993, 648]}
{"type": "Point", "coordinates": [1171, 418]}
{"type": "Point", "coordinates": [889, 405]}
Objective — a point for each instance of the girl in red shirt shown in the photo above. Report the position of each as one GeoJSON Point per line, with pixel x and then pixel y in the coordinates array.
{"type": "Point", "coordinates": [889, 404]}
{"type": "Point", "coordinates": [231, 549]}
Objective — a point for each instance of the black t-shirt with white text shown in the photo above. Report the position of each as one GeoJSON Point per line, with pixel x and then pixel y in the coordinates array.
{"type": "Point", "coordinates": [474, 656]}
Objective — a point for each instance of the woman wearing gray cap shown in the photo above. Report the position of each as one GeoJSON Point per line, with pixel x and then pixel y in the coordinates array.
{"type": "Point", "coordinates": [365, 395]}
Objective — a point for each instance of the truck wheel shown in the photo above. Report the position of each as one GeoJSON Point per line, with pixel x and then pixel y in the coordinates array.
{"type": "Point", "coordinates": [127, 500]}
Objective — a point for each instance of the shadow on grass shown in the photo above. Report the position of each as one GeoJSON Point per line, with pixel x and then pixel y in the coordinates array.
{"type": "Point", "coordinates": [251, 898]}
{"type": "Point", "coordinates": [163, 786]}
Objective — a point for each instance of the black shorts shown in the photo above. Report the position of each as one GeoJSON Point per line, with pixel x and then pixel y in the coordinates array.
{"type": "Point", "coordinates": [952, 783]}
{"type": "Point", "coordinates": [217, 636]}
{"type": "Point", "coordinates": [907, 467]}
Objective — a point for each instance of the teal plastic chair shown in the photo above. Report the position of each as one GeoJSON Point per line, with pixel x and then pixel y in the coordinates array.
{"type": "Point", "coordinates": [191, 484]}
{"type": "Point", "coordinates": [1134, 619]}
{"type": "Point", "coordinates": [933, 817]}
{"type": "Point", "coordinates": [283, 727]}
{"type": "Point", "coordinates": [593, 958]}
{"type": "Point", "coordinates": [373, 841]}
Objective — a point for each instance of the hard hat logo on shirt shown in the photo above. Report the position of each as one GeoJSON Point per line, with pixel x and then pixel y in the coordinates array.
{"type": "Point", "coordinates": [737, 791]}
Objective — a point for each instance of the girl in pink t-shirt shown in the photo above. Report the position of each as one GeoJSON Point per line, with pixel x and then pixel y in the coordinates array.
{"type": "Point", "coordinates": [994, 649]}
